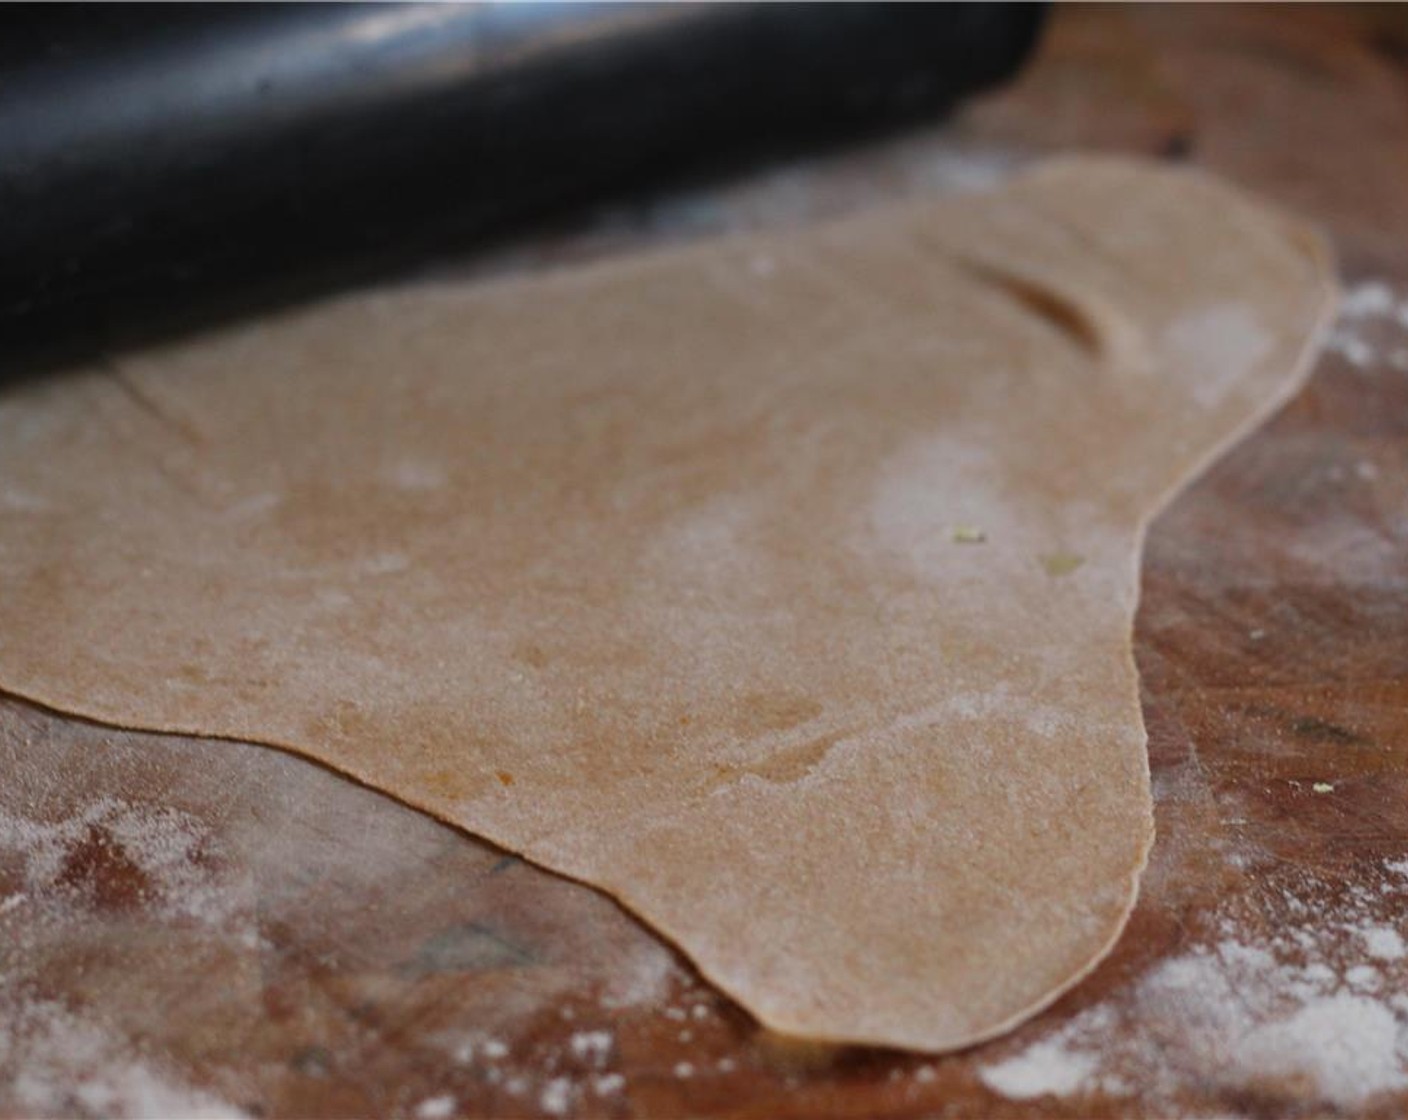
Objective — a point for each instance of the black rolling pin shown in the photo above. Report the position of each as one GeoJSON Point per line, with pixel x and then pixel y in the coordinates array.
{"type": "Point", "coordinates": [164, 164]}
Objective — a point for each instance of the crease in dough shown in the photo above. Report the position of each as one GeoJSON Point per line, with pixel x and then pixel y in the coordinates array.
{"type": "Point", "coordinates": [791, 608]}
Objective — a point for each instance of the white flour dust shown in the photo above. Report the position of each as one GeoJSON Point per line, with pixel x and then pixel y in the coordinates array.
{"type": "Point", "coordinates": [592, 1047]}
{"type": "Point", "coordinates": [162, 855]}
{"type": "Point", "coordinates": [556, 1096]}
{"type": "Point", "coordinates": [436, 1108]}
{"type": "Point", "coordinates": [65, 1066]}
{"type": "Point", "coordinates": [1051, 1067]}
{"type": "Point", "coordinates": [644, 979]}
{"type": "Point", "coordinates": [1310, 1004]}
{"type": "Point", "coordinates": [1372, 332]}
{"type": "Point", "coordinates": [105, 857]}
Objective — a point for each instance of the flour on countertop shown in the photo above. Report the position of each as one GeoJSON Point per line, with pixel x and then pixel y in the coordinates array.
{"type": "Point", "coordinates": [66, 1065]}
{"type": "Point", "coordinates": [436, 1108]}
{"type": "Point", "coordinates": [1055, 1066]}
{"type": "Point", "coordinates": [592, 1047]}
{"type": "Point", "coordinates": [643, 979]}
{"type": "Point", "coordinates": [556, 1096]}
{"type": "Point", "coordinates": [608, 1083]}
{"type": "Point", "coordinates": [643, 974]}
{"type": "Point", "coordinates": [162, 855]}
{"type": "Point", "coordinates": [102, 857]}
{"type": "Point", "coordinates": [651, 971]}
{"type": "Point", "coordinates": [1364, 977]}
{"type": "Point", "coordinates": [1049, 1068]}
{"type": "Point", "coordinates": [1371, 298]}
{"type": "Point", "coordinates": [1372, 330]}
{"type": "Point", "coordinates": [1310, 1001]}
{"type": "Point", "coordinates": [1383, 942]}
{"type": "Point", "coordinates": [466, 1050]}
{"type": "Point", "coordinates": [494, 1049]}
{"type": "Point", "coordinates": [557, 1076]}
{"type": "Point", "coordinates": [1371, 337]}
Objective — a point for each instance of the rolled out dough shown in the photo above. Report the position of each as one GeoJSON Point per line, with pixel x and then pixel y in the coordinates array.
{"type": "Point", "coordinates": [780, 587]}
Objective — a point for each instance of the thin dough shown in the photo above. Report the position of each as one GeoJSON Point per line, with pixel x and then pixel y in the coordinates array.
{"type": "Point", "coordinates": [781, 588]}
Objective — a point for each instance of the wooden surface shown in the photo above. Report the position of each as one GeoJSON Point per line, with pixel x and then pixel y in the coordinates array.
{"type": "Point", "coordinates": [190, 928]}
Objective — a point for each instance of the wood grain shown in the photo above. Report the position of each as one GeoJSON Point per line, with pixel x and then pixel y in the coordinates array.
{"type": "Point", "coordinates": [186, 930]}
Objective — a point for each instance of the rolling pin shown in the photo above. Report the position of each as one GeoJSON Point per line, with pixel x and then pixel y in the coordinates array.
{"type": "Point", "coordinates": [163, 165]}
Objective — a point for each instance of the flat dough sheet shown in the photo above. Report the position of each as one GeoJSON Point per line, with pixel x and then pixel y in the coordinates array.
{"type": "Point", "coordinates": [780, 587]}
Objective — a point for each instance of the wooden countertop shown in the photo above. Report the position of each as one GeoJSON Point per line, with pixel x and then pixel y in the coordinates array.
{"type": "Point", "coordinates": [189, 928]}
